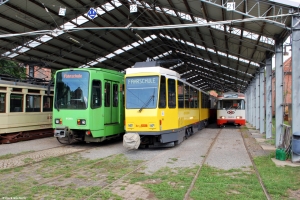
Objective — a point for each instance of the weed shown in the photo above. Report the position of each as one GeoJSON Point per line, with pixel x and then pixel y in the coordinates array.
{"type": "Point", "coordinates": [8, 156]}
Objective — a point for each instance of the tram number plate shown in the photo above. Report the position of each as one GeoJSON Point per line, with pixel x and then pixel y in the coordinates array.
{"type": "Point", "coordinates": [230, 116]}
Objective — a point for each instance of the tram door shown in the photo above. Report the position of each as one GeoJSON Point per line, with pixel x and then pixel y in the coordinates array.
{"type": "Point", "coordinates": [111, 102]}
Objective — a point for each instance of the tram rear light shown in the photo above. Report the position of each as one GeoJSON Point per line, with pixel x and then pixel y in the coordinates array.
{"type": "Point", "coordinates": [88, 132]}
{"type": "Point", "coordinates": [160, 122]}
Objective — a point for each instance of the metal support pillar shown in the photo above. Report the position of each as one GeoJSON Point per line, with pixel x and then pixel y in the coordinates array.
{"type": "Point", "coordinates": [268, 95]}
{"type": "Point", "coordinates": [257, 101]}
{"type": "Point", "coordinates": [247, 105]}
{"type": "Point", "coordinates": [295, 78]}
{"type": "Point", "coordinates": [253, 102]}
{"type": "Point", "coordinates": [262, 99]}
{"type": "Point", "coordinates": [250, 104]}
{"type": "Point", "coordinates": [278, 90]}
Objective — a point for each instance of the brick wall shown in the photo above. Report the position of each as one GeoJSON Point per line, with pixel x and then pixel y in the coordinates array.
{"type": "Point", "coordinates": [41, 73]}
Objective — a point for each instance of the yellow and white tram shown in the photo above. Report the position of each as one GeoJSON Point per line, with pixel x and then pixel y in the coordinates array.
{"type": "Point", "coordinates": [231, 109]}
{"type": "Point", "coordinates": [161, 109]}
{"type": "Point", "coordinates": [24, 107]}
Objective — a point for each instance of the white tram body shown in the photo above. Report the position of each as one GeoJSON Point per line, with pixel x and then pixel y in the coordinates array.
{"type": "Point", "coordinates": [24, 107]}
{"type": "Point", "coordinates": [231, 109]}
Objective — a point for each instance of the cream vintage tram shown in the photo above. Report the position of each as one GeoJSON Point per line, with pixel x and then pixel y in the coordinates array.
{"type": "Point", "coordinates": [231, 109]}
{"type": "Point", "coordinates": [25, 111]}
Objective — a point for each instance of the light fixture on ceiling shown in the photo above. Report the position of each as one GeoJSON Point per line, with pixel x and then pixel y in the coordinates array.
{"type": "Point", "coordinates": [73, 40]}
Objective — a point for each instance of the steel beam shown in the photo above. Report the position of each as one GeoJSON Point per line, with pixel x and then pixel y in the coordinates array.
{"type": "Point", "coordinates": [278, 90]}
{"type": "Point", "coordinates": [262, 100]}
{"type": "Point", "coordinates": [268, 95]}
{"type": "Point", "coordinates": [257, 101]}
{"type": "Point", "coordinates": [295, 73]}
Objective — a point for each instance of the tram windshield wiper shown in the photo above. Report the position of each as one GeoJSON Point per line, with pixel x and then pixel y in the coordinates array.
{"type": "Point", "coordinates": [147, 103]}
{"type": "Point", "coordinates": [56, 106]}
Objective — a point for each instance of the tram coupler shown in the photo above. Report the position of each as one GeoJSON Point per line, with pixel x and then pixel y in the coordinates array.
{"type": "Point", "coordinates": [61, 132]}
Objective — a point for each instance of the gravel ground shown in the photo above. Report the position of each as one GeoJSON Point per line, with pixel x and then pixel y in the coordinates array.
{"type": "Point", "coordinates": [228, 151]}
{"type": "Point", "coordinates": [30, 145]}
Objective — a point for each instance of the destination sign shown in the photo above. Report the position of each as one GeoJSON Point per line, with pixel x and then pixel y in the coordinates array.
{"type": "Point", "coordinates": [141, 81]}
{"type": "Point", "coordinates": [72, 75]}
{"type": "Point", "coordinates": [230, 95]}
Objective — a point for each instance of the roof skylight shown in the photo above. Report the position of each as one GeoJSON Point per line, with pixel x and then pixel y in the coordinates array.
{"type": "Point", "coordinates": [213, 51]}
{"type": "Point", "coordinates": [111, 55]}
{"type": "Point", "coordinates": [56, 32]}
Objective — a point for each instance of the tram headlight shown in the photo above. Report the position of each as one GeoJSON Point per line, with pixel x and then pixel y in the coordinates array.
{"type": "Point", "coordinates": [152, 125]}
{"type": "Point", "coordinates": [239, 117]}
{"type": "Point", "coordinates": [58, 121]}
{"type": "Point", "coordinates": [222, 117]}
{"type": "Point", "coordinates": [81, 122]}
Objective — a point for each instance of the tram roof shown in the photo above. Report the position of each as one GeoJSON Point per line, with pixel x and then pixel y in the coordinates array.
{"type": "Point", "coordinates": [155, 69]}
{"type": "Point", "coordinates": [207, 43]}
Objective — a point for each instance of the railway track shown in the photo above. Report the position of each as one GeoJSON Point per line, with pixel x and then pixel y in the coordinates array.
{"type": "Point", "coordinates": [187, 195]}
{"type": "Point", "coordinates": [104, 185]}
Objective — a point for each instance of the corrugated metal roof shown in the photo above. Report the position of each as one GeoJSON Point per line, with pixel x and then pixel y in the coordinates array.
{"type": "Point", "coordinates": [218, 48]}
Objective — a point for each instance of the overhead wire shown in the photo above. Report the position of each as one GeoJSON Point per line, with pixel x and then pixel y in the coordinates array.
{"type": "Point", "coordinates": [46, 9]}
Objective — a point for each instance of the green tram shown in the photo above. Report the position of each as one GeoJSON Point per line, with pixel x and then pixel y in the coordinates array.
{"type": "Point", "coordinates": [88, 105]}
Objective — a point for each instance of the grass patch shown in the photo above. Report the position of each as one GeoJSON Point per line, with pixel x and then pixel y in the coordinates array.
{"type": "Point", "coordinates": [278, 180]}
{"type": "Point", "coordinates": [167, 183]}
{"type": "Point", "coordinates": [79, 177]}
{"type": "Point", "coordinates": [28, 160]}
{"type": "Point", "coordinates": [8, 156]}
{"type": "Point", "coordinates": [215, 183]}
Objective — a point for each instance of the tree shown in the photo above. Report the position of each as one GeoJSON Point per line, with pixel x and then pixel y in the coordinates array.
{"type": "Point", "coordinates": [12, 69]}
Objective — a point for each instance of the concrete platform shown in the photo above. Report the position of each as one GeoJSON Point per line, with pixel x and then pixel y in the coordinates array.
{"type": "Point", "coordinates": [271, 148]}
{"type": "Point", "coordinates": [285, 163]}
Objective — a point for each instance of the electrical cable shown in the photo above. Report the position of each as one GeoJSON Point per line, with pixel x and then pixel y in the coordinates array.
{"type": "Point", "coordinates": [49, 14]}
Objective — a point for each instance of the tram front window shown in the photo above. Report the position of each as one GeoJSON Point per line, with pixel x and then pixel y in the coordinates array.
{"type": "Point", "coordinates": [141, 92]}
{"type": "Point", "coordinates": [71, 90]}
{"type": "Point", "coordinates": [231, 104]}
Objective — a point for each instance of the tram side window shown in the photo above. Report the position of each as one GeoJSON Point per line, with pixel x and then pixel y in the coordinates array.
{"type": "Point", "coordinates": [123, 94]}
{"type": "Point", "coordinates": [2, 102]}
{"type": "Point", "coordinates": [115, 95]}
{"type": "Point", "coordinates": [186, 96]}
{"type": "Point", "coordinates": [204, 101]}
{"type": "Point", "coordinates": [192, 98]}
{"type": "Point", "coordinates": [107, 95]}
{"type": "Point", "coordinates": [16, 103]}
{"type": "Point", "coordinates": [171, 93]}
{"type": "Point", "coordinates": [180, 95]}
{"type": "Point", "coordinates": [96, 94]}
{"type": "Point", "coordinates": [33, 103]}
{"type": "Point", "coordinates": [162, 92]}
{"type": "Point", "coordinates": [196, 98]}
{"type": "Point", "coordinates": [242, 105]}
{"type": "Point", "coordinates": [48, 101]}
